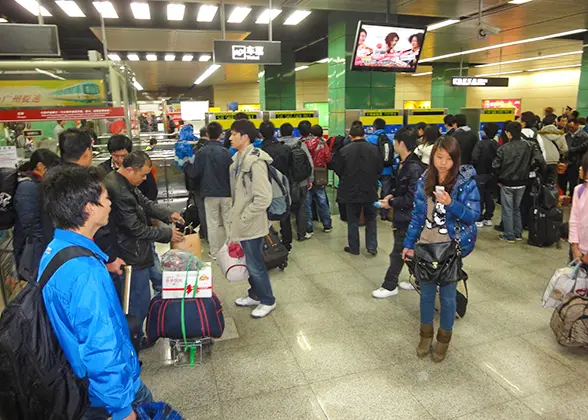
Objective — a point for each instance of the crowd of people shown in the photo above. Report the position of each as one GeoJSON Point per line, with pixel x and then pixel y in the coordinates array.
{"type": "Point", "coordinates": [441, 189]}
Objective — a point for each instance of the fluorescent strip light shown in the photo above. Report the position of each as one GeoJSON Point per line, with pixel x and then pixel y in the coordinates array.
{"type": "Point", "coordinates": [324, 60]}
{"type": "Point", "coordinates": [205, 57]}
{"type": "Point", "coordinates": [114, 57]}
{"type": "Point", "coordinates": [71, 8]}
{"type": "Point", "coordinates": [33, 7]}
{"type": "Point", "coordinates": [106, 9]}
{"type": "Point", "coordinates": [300, 68]}
{"type": "Point", "coordinates": [541, 57]}
{"type": "Point", "coordinates": [48, 73]}
{"type": "Point", "coordinates": [151, 57]}
{"type": "Point", "coordinates": [555, 68]}
{"type": "Point", "coordinates": [187, 57]}
{"type": "Point", "coordinates": [519, 1]}
{"type": "Point", "coordinates": [442, 24]}
{"type": "Point", "coordinates": [141, 11]}
{"type": "Point", "coordinates": [239, 14]}
{"type": "Point", "coordinates": [499, 74]}
{"type": "Point", "coordinates": [169, 57]}
{"type": "Point", "coordinates": [207, 73]}
{"type": "Point", "coordinates": [133, 56]}
{"type": "Point", "coordinates": [506, 44]}
{"type": "Point", "coordinates": [175, 11]}
{"type": "Point", "coordinates": [264, 18]}
{"type": "Point", "coordinates": [422, 74]}
{"type": "Point", "coordinates": [206, 13]}
{"type": "Point", "coordinates": [297, 17]}
{"type": "Point", "coordinates": [2, 20]}
{"type": "Point", "coordinates": [137, 84]}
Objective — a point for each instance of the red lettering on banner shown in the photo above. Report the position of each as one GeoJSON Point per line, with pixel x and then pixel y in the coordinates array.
{"type": "Point", "coordinates": [60, 113]}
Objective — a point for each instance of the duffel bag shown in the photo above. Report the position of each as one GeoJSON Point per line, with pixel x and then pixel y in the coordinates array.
{"type": "Point", "coordinates": [203, 317]}
{"type": "Point", "coordinates": [569, 321]}
{"type": "Point", "coordinates": [231, 261]}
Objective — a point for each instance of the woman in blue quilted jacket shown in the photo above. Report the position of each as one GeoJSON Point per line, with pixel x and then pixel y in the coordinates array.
{"type": "Point", "coordinates": [442, 215]}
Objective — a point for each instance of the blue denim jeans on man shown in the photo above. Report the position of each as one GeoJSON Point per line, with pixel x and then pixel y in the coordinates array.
{"type": "Point", "coordinates": [140, 294]}
{"type": "Point", "coordinates": [447, 299]}
{"type": "Point", "coordinates": [510, 199]}
{"type": "Point", "coordinates": [319, 195]}
{"type": "Point", "coordinates": [261, 288]}
{"type": "Point", "coordinates": [143, 396]}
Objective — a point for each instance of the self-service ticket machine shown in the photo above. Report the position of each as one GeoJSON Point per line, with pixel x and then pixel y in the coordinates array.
{"type": "Point", "coordinates": [394, 119]}
{"type": "Point", "coordinates": [478, 117]}
{"type": "Point", "coordinates": [226, 119]}
{"type": "Point", "coordinates": [429, 116]}
{"type": "Point", "coordinates": [292, 117]}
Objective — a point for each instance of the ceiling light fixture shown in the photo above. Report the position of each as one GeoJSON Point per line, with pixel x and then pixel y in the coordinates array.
{"type": "Point", "coordinates": [206, 13]}
{"type": "Point", "coordinates": [554, 68]}
{"type": "Point", "coordinates": [137, 84]}
{"type": "Point", "coordinates": [519, 1]}
{"type": "Point", "coordinates": [205, 57]}
{"type": "Point", "coordinates": [442, 24]}
{"type": "Point", "coordinates": [541, 57]}
{"type": "Point", "coordinates": [141, 11]}
{"type": "Point", "coordinates": [175, 11]}
{"type": "Point", "coordinates": [499, 74]}
{"type": "Point", "coordinates": [187, 57]}
{"type": "Point", "coordinates": [106, 9]}
{"type": "Point", "coordinates": [207, 73]}
{"type": "Point", "coordinates": [70, 8]}
{"type": "Point", "coordinates": [297, 17]}
{"type": "Point", "coordinates": [133, 57]}
{"type": "Point", "coordinates": [169, 57]}
{"type": "Point", "coordinates": [114, 57]}
{"type": "Point", "coordinates": [300, 68]}
{"type": "Point", "coordinates": [48, 73]}
{"type": "Point", "coordinates": [264, 18]}
{"type": "Point", "coordinates": [422, 74]}
{"type": "Point", "coordinates": [505, 44]}
{"type": "Point", "coordinates": [239, 14]}
{"type": "Point", "coordinates": [33, 7]}
{"type": "Point", "coordinates": [151, 57]}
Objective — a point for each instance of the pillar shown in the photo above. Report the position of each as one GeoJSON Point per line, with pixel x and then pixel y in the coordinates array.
{"type": "Point", "coordinates": [352, 89]}
{"type": "Point", "coordinates": [443, 95]}
{"type": "Point", "coordinates": [582, 104]}
{"type": "Point", "coordinates": [277, 84]}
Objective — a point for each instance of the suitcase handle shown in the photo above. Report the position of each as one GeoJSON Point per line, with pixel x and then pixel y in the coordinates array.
{"type": "Point", "coordinates": [128, 270]}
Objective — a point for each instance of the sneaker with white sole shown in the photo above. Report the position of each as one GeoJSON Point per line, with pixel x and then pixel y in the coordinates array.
{"type": "Point", "coordinates": [212, 257]}
{"type": "Point", "coordinates": [480, 224]}
{"type": "Point", "coordinates": [383, 293]}
{"type": "Point", "coordinates": [406, 285]}
{"type": "Point", "coordinates": [247, 301]}
{"type": "Point", "coordinates": [262, 310]}
{"type": "Point", "coordinates": [488, 223]}
{"type": "Point", "coordinates": [308, 235]}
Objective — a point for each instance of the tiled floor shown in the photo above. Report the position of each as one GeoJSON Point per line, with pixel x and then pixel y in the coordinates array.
{"type": "Point", "coordinates": [331, 351]}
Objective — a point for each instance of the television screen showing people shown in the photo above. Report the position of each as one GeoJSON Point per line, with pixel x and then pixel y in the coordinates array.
{"type": "Point", "coordinates": [387, 48]}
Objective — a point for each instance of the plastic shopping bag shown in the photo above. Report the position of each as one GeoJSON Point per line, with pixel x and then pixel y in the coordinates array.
{"type": "Point", "coordinates": [231, 261]}
{"type": "Point", "coordinates": [564, 281]}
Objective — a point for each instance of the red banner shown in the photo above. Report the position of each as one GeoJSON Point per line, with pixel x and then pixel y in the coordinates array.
{"type": "Point", "coordinates": [55, 114]}
{"type": "Point", "coordinates": [502, 103]}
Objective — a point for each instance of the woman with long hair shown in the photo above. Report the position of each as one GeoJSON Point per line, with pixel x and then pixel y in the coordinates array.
{"type": "Point", "coordinates": [28, 229]}
{"type": "Point", "coordinates": [430, 136]}
{"type": "Point", "coordinates": [442, 231]}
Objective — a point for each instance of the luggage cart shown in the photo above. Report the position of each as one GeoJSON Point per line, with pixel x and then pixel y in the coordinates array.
{"type": "Point", "coordinates": [191, 352]}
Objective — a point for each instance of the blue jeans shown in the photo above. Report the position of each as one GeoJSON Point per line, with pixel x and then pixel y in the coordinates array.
{"type": "Point", "coordinates": [510, 199]}
{"type": "Point", "coordinates": [261, 288]}
{"type": "Point", "coordinates": [143, 396]}
{"type": "Point", "coordinates": [140, 294]}
{"type": "Point", "coordinates": [155, 273]}
{"type": "Point", "coordinates": [320, 197]}
{"type": "Point", "coordinates": [447, 300]}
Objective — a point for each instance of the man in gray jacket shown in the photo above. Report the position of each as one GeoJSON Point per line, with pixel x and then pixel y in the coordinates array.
{"type": "Point", "coordinates": [251, 193]}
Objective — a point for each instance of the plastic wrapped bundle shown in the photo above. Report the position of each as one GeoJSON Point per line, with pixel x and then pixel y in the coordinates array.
{"type": "Point", "coordinates": [180, 260]}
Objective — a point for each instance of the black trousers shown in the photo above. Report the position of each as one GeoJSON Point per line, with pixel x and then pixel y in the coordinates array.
{"type": "Point", "coordinates": [569, 179]}
{"type": "Point", "coordinates": [371, 225]}
{"type": "Point", "coordinates": [396, 261]}
{"type": "Point", "coordinates": [299, 211]}
{"type": "Point", "coordinates": [486, 186]}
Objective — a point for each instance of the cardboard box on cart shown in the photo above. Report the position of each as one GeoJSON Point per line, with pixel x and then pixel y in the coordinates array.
{"type": "Point", "coordinates": [175, 285]}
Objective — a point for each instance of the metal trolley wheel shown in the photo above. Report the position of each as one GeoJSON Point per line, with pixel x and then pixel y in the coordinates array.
{"type": "Point", "coordinates": [283, 266]}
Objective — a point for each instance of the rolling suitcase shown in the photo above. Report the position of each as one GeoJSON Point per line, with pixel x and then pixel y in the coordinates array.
{"type": "Point", "coordinates": [545, 226]}
{"type": "Point", "coordinates": [275, 254]}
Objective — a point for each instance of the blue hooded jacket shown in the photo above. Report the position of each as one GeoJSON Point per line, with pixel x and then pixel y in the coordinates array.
{"type": "Point", "coordinates": [89, 323]}
{"type": "Point", "coordinates": [463, 210]}
{"type": "Point", "coordinates": [373, 139]}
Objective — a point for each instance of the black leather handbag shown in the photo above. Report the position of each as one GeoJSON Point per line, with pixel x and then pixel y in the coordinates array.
{"type": "Point", "coordinates": [438, 263]}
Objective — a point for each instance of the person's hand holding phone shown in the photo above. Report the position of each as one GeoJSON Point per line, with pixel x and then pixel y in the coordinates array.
{"type": "Point", "coordinates": [442, 196]}
{"type": "Point", "coordinates": [384, 204]}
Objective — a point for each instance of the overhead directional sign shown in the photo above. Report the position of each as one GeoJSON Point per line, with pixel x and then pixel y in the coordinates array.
{"type": "Point", "coordinates": [466, 81]}
{"type": "Point", "coordinates": [247, 52]}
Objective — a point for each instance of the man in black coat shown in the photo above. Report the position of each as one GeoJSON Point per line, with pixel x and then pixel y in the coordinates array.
{"type": "Point", "coordinates": [411, 169]}
{"type": "Point", "coordinates": [483, 156]}
{"type": "Point", "coordinates": [466, 137]}
{"type": "Point", "coordinates": [359, 166]}
{"type": "Point", "coordinates": [578, 145]}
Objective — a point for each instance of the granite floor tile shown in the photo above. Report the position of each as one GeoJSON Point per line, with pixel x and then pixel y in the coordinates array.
{"type": "Point", "coordinates": [513, 410]}
{"type": "Point", "coordinates": [341, 283]}
{"type": "Point", "coordinates": [564, 402]}
{"type": "Point", "coordinates": [306, 317]}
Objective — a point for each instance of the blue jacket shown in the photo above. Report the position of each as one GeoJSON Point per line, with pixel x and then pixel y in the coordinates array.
{"type": "Point", "coordinates": [210, 171]}
{"type": "Point", "coordinates": [464, 209]}
{"type": "Point", "coordinates": [373, 139]}
{"type": "Point", "coordinates": [89, 323]}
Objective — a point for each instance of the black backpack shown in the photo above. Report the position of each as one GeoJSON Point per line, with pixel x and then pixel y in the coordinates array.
{"type": "Point", "coordinates": [386, 149]}
{"type": "Point", "coordinates": [8, 184]}
{"type": "Point", "coordinates": [301, 166]}
{"type": "Point", "coordinates": [36, 379]}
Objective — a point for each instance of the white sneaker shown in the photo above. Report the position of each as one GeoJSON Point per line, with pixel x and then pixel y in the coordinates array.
{"type": "Point", "coordinates": [247, 301]}
{"type": "Point", "coordinates": [212, 257]}
{"type": "Point", "coordinates": [406, 285]}
{"type": "Point", "coordinates": [480, 224]}
{"type": "Point", "coordinates": [308, 235]}
{"type": "Point", "coordinates": [383, 293]}
{"type": "Point", "coordinates": [262, 310]}
{"type": "Point", "coordinates": [487, 222]}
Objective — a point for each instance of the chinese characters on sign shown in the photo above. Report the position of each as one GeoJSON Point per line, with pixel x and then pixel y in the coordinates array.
{"type": "Point", "coordinates": [242, 52]}
{"type": "Point", "coordinates": [479, 81]}
{"type": "Point", "coordinates": [60, 114]}
{"type": "Point", "coordinates": [258, 52]}
{"type": "Point", "coordinates": [503, 103]}
{"type": "Point", "coordinates": [20, 99]}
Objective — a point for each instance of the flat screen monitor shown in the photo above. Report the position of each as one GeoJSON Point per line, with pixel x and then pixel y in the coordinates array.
{"type": "Point", "coordinates": [387, 47]}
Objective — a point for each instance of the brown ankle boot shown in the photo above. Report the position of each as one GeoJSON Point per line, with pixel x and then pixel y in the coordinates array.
{"type": "Point", "coordinates": [424, 346]}
{"type": "Point", "coordinates": [443, 339]}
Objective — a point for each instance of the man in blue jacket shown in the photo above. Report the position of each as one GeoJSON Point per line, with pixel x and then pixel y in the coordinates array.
{"type": "Point", "coordinates": [387, 176]}
{"type": "Point", "coordinates": [81, 301]}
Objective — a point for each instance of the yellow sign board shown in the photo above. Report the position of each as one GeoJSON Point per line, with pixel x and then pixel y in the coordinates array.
{"type": "Point", "coordinates": [293, 117]}
{"type": "Point", "coordinates": [47, 93]}
{"type": "Point", "coordinates": [497, 115]}
{"type": "Point", "coordinates": [428, 116]}
{"type": "Point", "coordinates": [417, 104]}
{"type": "Point", "coordinates": [390, 116]}
{"type": "Point", "coordinates": [226, 119]}
{"type": "Point", "coordinates": [248, 107]}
